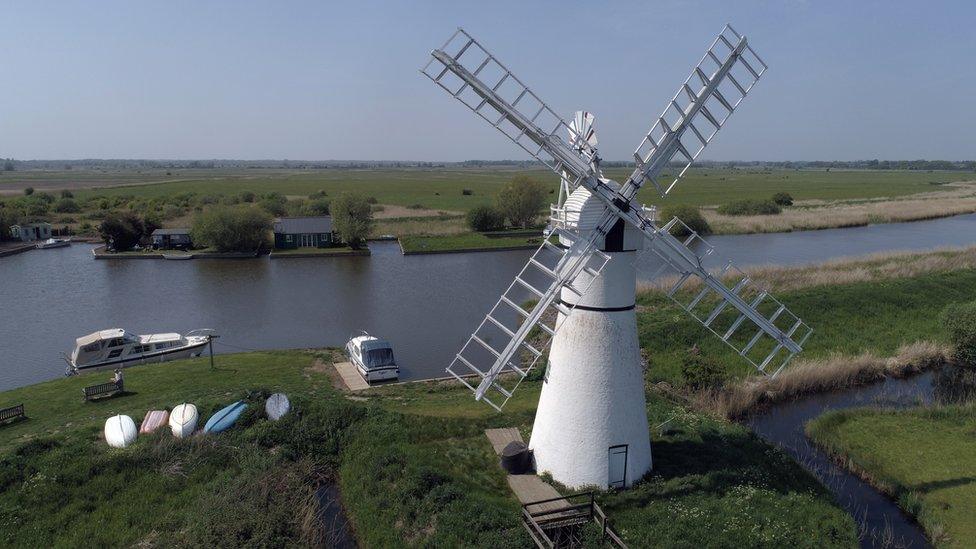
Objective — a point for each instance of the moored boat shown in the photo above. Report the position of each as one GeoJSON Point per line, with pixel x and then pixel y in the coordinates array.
{"type": "Point", "coordinates": [53, 243]}
{"type": "Point", "coordinates": [276, 406]}
{"type": "Point", "coordinates": [115, 348]}
{"type": "Point", "coordinates": [154, 420]}
{"type": "Point", "coordinates": [373, 358]}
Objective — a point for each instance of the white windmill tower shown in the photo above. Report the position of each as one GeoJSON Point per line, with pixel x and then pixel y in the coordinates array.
{"type": "Point", "coordinates": [591, 426]}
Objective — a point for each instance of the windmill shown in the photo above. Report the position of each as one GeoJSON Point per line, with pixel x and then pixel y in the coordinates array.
{"type": "Point", "coordinates": [577, 292]}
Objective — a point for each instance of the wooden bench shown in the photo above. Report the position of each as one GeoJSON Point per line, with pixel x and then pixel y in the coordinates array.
{"type": "Point", "coordinates": [12, 413]}
{"type": "Point", "coordinates": [103, 390]}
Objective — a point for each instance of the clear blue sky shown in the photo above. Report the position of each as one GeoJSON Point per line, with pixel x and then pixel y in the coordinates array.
{"type": "Point", "coordinates": [322, 80]}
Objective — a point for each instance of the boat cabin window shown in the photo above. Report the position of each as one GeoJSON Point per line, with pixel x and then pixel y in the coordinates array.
{"type": "Point", "coordinates": [115, 353]}
{"type": "Point", "coordinates": [92, 347]}
{"type": "Point", "coordinates": [115, 342]}
{"type": "Point", "coordinates": [139, 349]}
{"type": "Point", "coordinates": [378, 357]}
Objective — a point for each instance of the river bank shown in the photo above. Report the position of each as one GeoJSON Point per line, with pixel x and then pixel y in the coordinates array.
{"type": "Point", "coordinates": [411, 464]}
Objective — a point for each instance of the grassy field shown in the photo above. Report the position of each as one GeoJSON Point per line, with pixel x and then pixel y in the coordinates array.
{"type": "Point", "coordinates": [441, 188]}
{"type": "Point", "coordinates": [411, 462]}
{"type": "Point", "coordinates": [465, 241]}
{"type": "Point", "coordinates": [923, 457]}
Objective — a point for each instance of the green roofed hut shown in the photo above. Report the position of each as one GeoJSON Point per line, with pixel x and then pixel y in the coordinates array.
{"type": "Point", "coordinates": [304, 232]}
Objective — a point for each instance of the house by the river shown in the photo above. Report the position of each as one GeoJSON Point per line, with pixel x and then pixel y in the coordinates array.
{"type": "Point", "coordinates": [27, 232]}
{"type": "Point", "coordinates": [168, 239]}
{"type": "Point", "coordinates": [304, 232]}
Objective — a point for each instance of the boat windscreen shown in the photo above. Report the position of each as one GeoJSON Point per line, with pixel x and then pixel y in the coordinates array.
{"type": "Point", "coordinates": [376, 358]}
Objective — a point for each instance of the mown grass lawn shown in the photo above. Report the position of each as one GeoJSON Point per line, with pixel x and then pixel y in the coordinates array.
{"type": "Point", "coordinates": [925, 458]}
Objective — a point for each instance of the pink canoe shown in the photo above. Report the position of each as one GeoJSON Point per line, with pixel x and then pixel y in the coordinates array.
{"type": "Point", "coordinates": [154, 419]}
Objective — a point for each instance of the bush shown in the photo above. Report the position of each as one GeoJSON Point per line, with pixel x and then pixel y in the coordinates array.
{"type": "Point", "coordinates": [700, 371]}
{"type": "Point", "coordinates": [231, 229]}
{"type": "Point", "coordinates": [959, 321]}
{"type": "Point", "coordinates": [274, 204]}
{"type": "Point", "coordinates": [372, 200]}
{"type": "Point", "coordinates": [416, 207]}
{"type": "Point", "coordinates": [466, 192]}
{"type": "Point", "coordinates": [318, 206]}
{"type": "Point", "coordinates": [66, 205]}
{"type": "Point", "coordinates": [521, 199]}
{"type": "Point", "coordinates": [247, 196]}
{"type": "Point", "coordinates": [121, 232]}
{"type": "Point", "coordinates": [485, 218]}
{"type": "Point", "coordinates": [750, 207]}
{"type": "Point", "coordinates": [67, 194]}
{"type": "Point", "coordinates": [783, 199]}
{"type": "Point", "coordinates": [690, 215]}
{"type": "Point", "coordinates": [318, 194]}
{"type": "Point", "coordinates": [352, 217]}
{"type": "Point", "coordinates": [28, 191]}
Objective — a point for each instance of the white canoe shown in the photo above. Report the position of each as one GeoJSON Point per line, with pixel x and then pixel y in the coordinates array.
{"type": "Point", "coordinates": [183, 420]}
{"type": "Point", "coordinates": [120, 431]}
{"type": "Point", "coordinates": [277, 406]}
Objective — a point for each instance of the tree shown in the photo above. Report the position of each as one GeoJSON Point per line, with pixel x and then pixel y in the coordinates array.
{"type": "Point", "coordinates": [66, 205]}
{"type": "Point", "coordinates": [783, 199]}
{"type": "Point", "coordinates": [28, 191]}
{"type": "Point", "coordinates": [317, 206]}
{"type": "Point", "coordinates": [353, 218]}
{"type": "Point", "coordinates": [521, 199]}
{"type": "Point", "coordinates": [959, 322]}
{"type": "Point", "coordinates": [121, 232]}
{"type": "Point", "coordinates": [485, 218]}
{"type": "Point", "coordinates": [65, 193]}
{"type": "Point", "coordinates": [8, 165]}
{"type": "Point", "coordinates": [274, 203]}
{"type": "Point", "coordinates": [689, 215]}
{"type": "Point", "coordinates": [232, 229]}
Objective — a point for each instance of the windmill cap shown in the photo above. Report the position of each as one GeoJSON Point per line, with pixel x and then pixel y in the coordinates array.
{"type": "Point", "coordinates": [584, 210]}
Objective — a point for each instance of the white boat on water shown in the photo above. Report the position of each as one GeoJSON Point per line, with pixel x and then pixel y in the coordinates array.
{"type": "Point", "coordinates": [373, 357]}
{"type": "Point", "coordinates": [115, 348]}
{"type": "Point", "coordinates": [54, 243]}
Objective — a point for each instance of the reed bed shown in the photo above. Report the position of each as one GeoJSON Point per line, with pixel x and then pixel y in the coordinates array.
{"type": "Point", "coordinates": [819, 214]}
{"type": "Point", "coordinates": [818, 375]}
{"type": "Point", "coordinates": [846, 270]}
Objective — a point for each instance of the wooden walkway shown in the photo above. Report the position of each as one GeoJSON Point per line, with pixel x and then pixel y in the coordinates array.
{"type": "Point", "coordinates": [528, 488]}
{"type": "Point", "coordinates": [350, 376]}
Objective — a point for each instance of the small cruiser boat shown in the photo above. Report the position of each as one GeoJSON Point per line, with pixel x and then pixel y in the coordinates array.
{"type": "Point", "coordinates": [115, 348]}
{"type": "Point", "coordinates": [373, 357]}
{"type": "Point", "coordinates": [54, 243]}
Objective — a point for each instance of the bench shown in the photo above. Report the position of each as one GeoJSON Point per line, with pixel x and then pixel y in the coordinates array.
{"type": "Point", "coordinates": [12, 413]}
{"type": "Point", "coordinates": [103, 390]}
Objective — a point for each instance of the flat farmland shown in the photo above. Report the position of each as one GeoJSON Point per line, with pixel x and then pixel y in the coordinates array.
{"type": "Point", "coordinates": [441, 189]}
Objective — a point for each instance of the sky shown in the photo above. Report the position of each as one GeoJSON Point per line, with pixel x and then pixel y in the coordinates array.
{"type": "Point", "coordinates": [339, 81]}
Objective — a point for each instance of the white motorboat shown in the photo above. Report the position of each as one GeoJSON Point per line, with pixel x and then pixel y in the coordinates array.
{"type": "Point", "coordinates": [373, 357]}
{"type": "Point", "coordinates": [115, 348]}
{"type": "Point", "coordinates": [54, 243]}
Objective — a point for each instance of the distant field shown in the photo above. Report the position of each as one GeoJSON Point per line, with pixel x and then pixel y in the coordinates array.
{"type": "Point", "coordinates": [441, 188]}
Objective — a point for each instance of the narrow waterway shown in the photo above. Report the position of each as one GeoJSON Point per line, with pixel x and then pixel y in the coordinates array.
{"type": "Point", "coordinates": [882, 523]}
{"type": "Point", "coordinates": [427, 304]}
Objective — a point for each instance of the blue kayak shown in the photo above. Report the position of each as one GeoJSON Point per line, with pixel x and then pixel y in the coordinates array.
{"type": "Point", "coordinates": [224, 418]}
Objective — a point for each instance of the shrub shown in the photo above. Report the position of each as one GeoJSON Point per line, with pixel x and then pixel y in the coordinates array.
{"type": "Point", "coordinates": [521, 199]}
{"type": "Point", "coordinates": [690, 215]}
{"type": "Point", "coordinates": [318, 206]}
{"type": "Point", "coordinates": [232, 229]}
{"type": "Point", "coordinates": [750, 207]}
{"type": "Point", "coordinates": [67, 194]}
{"type": "Point", "coordinates": [371, 200]}
{"type": "Point", "coordinates": [121, 232]}
{"type": "Point", "coordinates": [66, 205]}
{"type": "Point", "coordinates": [28, 191]}
{"type": "Point", "coordinates": [352, 218]}
{"type": "Point", "coordinates": [701, 371]}
{"type": "Point", "coordinates": [415, 206]}
{"type": "Point", "coordinates": [783, 199]}
{"type": "Point", "coordinates": [466, 192]}
{"type": "Point", "coordinates": [274, 204]}
{"type": "Point", "coordinates": [318, 194]}
{"type": "Point", "coordinates": [247, 196]}
{"type": "Point", "coordinates": [959, 321]}
{"type": "Point", "coordinates": [171, 212]}
{"type": "Point", "coordinates": [485, 218]}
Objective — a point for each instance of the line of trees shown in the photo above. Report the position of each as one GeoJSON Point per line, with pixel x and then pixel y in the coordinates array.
{"type": "Point", "coordinates": [518, 203]}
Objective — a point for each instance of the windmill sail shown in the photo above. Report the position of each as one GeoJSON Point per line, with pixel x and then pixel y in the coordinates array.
{"type": "Point", "coordinates": [703, 103]}
{"type": "Point", "coordinates": [477, 79]}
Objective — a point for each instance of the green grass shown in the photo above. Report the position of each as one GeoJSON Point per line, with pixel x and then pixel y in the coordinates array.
{"type": "Point", "coordinates": [923, 457]}
{"type": "Point", "coordinates": [849, 319]}
{"type": "Point", "coordinates": [441, 188]}
{"type": "Point", "coordinates": [465, 241]}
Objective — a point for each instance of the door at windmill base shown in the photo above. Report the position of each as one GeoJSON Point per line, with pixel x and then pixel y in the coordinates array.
{"type": "Point", "coordinates": [618, 466]}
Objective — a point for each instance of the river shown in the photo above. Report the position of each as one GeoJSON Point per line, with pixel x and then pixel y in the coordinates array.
{"type": "Point", "coordinates": [425, 304]}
